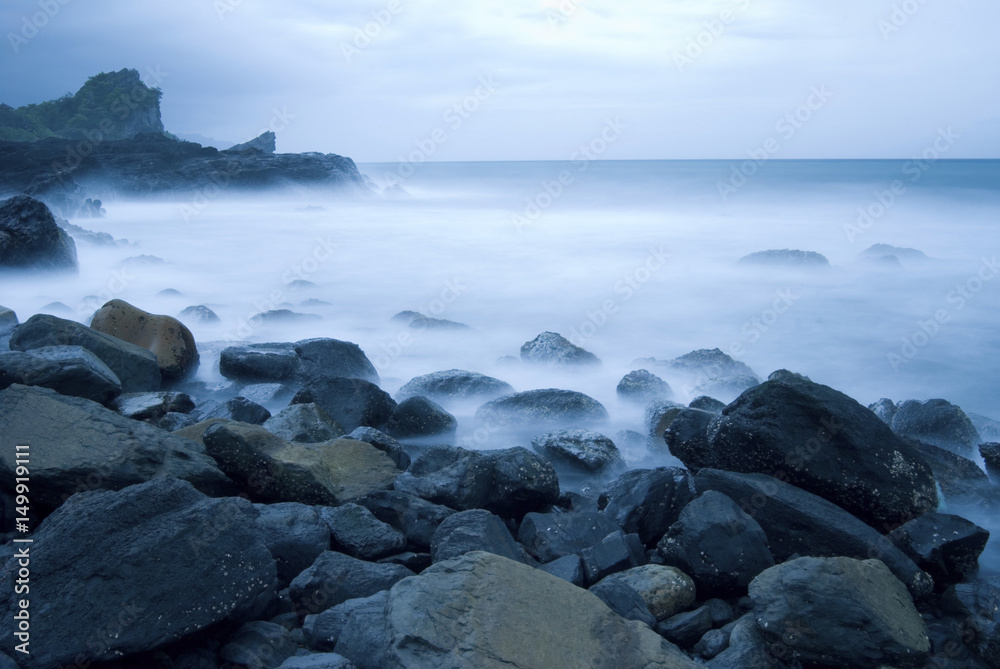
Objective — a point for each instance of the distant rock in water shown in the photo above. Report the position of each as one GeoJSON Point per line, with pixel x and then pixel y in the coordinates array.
{"type": "Point", "coordinates": [283, 316]}
{"type": "Point", "coordinates": [554, 349]}
{"type": "Point", "coordinates": [936, 422]}
{"type": "Point", "coordinates": [96, 238]}
{"type": "Point", "coordinates": [30, 238]}
{"type": "Point", "coordinates": [454, 385]}
{"type": "Point", "coordinates": [200, 314]}
{"type": "Point", "coordinates": [428, 323]}
{"type": "Point", "coordinates": [263, 143]}
{"type": "Point", "coordinates": [882, 252]}
{"type": "Point", "coordinates": [786, 258]}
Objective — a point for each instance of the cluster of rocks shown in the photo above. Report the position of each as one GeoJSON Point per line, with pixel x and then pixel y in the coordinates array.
{"type": "Point", "coordinates": [176, 529]}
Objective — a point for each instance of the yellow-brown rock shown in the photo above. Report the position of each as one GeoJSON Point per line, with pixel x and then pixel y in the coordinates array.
{"type": "Point", "coordinates": [168, 338]}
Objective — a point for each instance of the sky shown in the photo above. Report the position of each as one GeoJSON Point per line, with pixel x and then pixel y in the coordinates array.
{"type": "Point", "coordinates": [392, 80]}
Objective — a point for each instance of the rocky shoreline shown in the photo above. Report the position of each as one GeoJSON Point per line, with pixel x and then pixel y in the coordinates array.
{"type": "Point", "coordinates": [173, 526]}
{"type": "Point", "coordinates": [300, 516]}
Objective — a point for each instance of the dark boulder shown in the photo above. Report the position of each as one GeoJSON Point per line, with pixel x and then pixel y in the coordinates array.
{"type": "Point", "coordinates": [641, 386]}
{"type": "Point", "coordinates": [238, 409]}
{"type": "Point", "coordinates": [78, 445]}
{"type": "Point", "coordinates": [31, 239]}
{"type": "Point", "coordinates": [944, 545]}
{"type": "Point", "coordinates": [937, 422]}
{"type": "Point", "coordinates": [647, 501]}
{"type": "Point", "coordinates": [319, 358]}
{"type": "Point", "coordinates": [415, 517]}
{"type": "Point", "coordinates": [455, 386]}
{"type": "Point", "coordinates": [303, 424]}
{"type": "Point", "coordinates": [687, 437]}
{"type": "Point", "coordinates": [135, 367]}
{"type": "Point", "coordinates": [553, 349]}
{"type": "Point", "coordinates": [549, 536]}
{"type": "Point", "coordinates": [962, 481]}
{"type": "Point", "coordinates": [510, 482]}
{"type": "Point", "coordinates": [474, 530]}
{"type": "Point", "coordinates": [548, 408]}
{"type": "Point", "coordinates": [569, 568]}
{"type": "Point", "coordinates": [354, 530]}
{"type": "Point", "coordinates": [322, 630]}
{"type": "Point", "coordinates": [584, 450]}
{"type": "Point", "coordinates": [420, 417]}
{"type": "Point", "coordinates": [118, 573]}
{"type": "Point", "coordinates": [839, 612]}
{"type": "Point", "coordinates": [334, 578]}
{"type": "Point", "coordinates": [295, 534]}
{"type": "Point", "coordinates": [252, 363]}
{"type": "Point", "coordinates": [658, 415]}
{"type": "Point", "coordinates": [686, 629]}
{"type": "Point", "coordinates": [718, 545]}
{"type": "Point", "coordinates": [351, 402]}
{"type": "Point", "coordinates": [799, 523]}
{"type": "Point", "coordinates": [614, 553]}
{"type": "Point", "coordinates": [824, 442]}
{"type": "Point", "coordinates": [69, 370]}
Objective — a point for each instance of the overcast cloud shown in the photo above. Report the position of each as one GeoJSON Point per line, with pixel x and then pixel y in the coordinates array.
{"type": "Point", "coordinates": [708, 79]}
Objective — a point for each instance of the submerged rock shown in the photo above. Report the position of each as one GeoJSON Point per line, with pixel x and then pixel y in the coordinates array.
{"type": "Point", "coordinates": [542, 408]}
{"type": "Point", "coordinates": [554, 349]}
{"type": "Point", "coordinates": [944, 545]}
{"type": "Point", "coordinates": [785, 258]}
{"type": "Point", "coordinates": [420, 417]}
{"type": "Point", "coordinates": [454, 386]}
{"type": "Point", "coordinates": [200, 314]}
{"type": "Point", "coordinates": [352, 402]}
{"type": "Point", "coordinates": [641, 386]}
{"type": "Point", "coordinates": [303, 423]}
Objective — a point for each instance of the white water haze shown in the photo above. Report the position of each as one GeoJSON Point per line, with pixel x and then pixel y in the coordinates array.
{"type": "Point", "coordinates": [627, 259]}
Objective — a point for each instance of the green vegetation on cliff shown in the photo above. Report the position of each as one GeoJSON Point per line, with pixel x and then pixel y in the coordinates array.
{"type": "Point", "coordinates": [113, 105]}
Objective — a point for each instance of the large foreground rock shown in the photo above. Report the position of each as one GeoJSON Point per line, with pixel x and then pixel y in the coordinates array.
{"type": "Point", "coordinates": [482, 611]}
{"type": "Point", "coordinates": [135, 367]}
{"type": "Point", "coordinates": [30, 238]}
{"type": "Point", "coordinates": [799, 523]}
{"type": "Point", "coordinates": [68, 370]}
{"type": "Point", "coordinates": [549, 408]}
{"type": "Point", "coordinates": [77, 445]}
{"type": "Point", "coordinates": [839, 612]}
{"type": "Point", "coordinates": [116, 573]}
{"type": "Point", "coordinates": [822, 441]}
{"type": "Point", "coordinates": [164, 336]}
{"type": "Point", "coordinates": [647, 501]}
{"type": "Point", "coordinates": [270, 469]}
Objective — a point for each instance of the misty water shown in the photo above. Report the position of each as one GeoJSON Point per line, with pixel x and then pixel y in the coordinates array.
{"type": "Point", "coordinates": [627, 259]}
